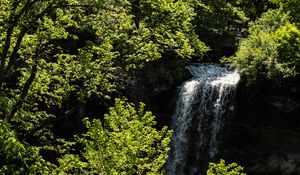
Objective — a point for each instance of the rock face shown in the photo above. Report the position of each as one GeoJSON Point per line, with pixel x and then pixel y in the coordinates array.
{"type": "Point", "coordinates": [262, 150]}
{"type": "Point", "coordinates": [264, 136]}
{"type": "Point", "coordinates": [156, 85]}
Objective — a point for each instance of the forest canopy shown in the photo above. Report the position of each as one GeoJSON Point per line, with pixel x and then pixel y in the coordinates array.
{"type": "Point", "coordinates": [272, 48]}
{"type": "Point", "coordinates": [59, 56]}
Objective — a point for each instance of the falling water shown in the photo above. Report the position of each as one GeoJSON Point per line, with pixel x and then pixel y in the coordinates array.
{"type": "Point", "coordinates": [203, 103]}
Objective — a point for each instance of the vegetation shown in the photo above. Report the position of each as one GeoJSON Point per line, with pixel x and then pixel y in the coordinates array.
{"type": "Point", "coordinates": [271, 51]}
{"type": "Point", "coordinates": [223, 169]}
{"type": "Point", "coordinates": [125, 143]}
{"type": "Point", "coordinates": [58, 57]}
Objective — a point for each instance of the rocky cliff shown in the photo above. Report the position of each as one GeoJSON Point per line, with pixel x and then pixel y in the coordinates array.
{"type": "Point", "coordinates": [264, 136]}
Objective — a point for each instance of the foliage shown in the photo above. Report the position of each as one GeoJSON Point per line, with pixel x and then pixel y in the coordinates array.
{"type": "Point", "coordinates": [169, 23]}
{"type": "Point", "coordinates": [291, 6]}
{"type": "Point", "coordinates": [223, 169]}
{"type": "Point", "coordinates": [17, 157]}
{"type": "Point", "coordinates": [218, 19]}
{"type": "Point", "coordinates": [271, 51]}
{"type": "Point", "coordinates": [47, 48]}
{"type": "Point", "coordinates": [217, 16]}
{"type": "Point", "coordinates": [58, 55]}
{"type": "Point", "coordinates": [125, 143]}
{"type": "Point", "coordinates": [208, 11]}
{"type": "Point", "coordinates": [64, 47]}
{"type": "Point", "coordinates": [254, 9]}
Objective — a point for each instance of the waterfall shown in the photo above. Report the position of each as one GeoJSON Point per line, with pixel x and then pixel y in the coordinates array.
{"type": "Point", "coordinates": [203, 103]}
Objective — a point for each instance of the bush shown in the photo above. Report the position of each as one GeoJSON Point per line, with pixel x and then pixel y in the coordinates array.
{"type": "Point", "coordinates": [223, 169]}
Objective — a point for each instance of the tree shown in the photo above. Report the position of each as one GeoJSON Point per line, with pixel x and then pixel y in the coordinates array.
{"type": "Point", "coordinates": [271, 51]}
{"type": "Point", "coordinates": [57, 48]}
{"type": "Point", "coordinates": [216, 16]}
{"type": "Point", "coordinates": [215, 19]}
{"type": "Point", "coordinates": [58, 55]}
{"type": "Point", "coordinates": [254, 9]}
{"type": "Point", "coordinates": [223, 169]}
{"type": "Point", "coordinates": [126, 142]}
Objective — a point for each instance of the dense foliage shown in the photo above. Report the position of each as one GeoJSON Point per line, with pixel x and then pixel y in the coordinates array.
{"type": "Point", "coordinates": [223, 169]}
{"type": "Point", "coordinates": [125, 143]}
{"type": "Point", "coordinates": [58, 57]}
{"type": "Point", "coordinates": [271, 51]}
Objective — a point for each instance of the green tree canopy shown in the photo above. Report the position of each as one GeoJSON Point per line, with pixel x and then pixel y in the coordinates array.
{"type": "Point", "coordinates": [57, 55]}
{"type": "Point", "coordinates": [126, 142]}
{"type": "Point", "coordinates": [271, 51]}
{"type": "Point", "coordinates": [60, 47]}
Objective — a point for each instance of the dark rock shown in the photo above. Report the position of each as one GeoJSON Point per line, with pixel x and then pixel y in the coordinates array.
{"type": "Point", "coordinates": [155, 85]}
{"type": "Point", "coordinates": [262, 150]}
{"type": "Point", "coordinates": [264, 136]}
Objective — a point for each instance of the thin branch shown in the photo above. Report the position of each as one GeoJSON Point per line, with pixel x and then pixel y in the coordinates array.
{"type": "Point", "coordinates": [15, 50]}
{"type": "Point", "coordinates": [12, 56]}
{"type": "Point", "coordinates": [15, 4]}
{"type": "Point", "coordinates": [13, 24]}
{"type": "Point", "coordinates": [24, 92]}
{"type": "Point", "coordinates": [3, 56]}
{"type": "Point", "coordinates": [4, 70]}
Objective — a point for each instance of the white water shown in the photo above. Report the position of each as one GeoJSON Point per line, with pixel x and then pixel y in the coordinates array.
{"type": "Point", "coordinates": [203, 103]}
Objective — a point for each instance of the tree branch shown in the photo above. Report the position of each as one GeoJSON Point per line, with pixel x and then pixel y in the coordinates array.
{"type": "Point", "coordinates": [13, 56]}
{"type": "Point", "coordinates": [9, 32]}
{"type": "Point", "coordinates": [3, 56]}
{"type": "Point", "coordinates": [24, 92]}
